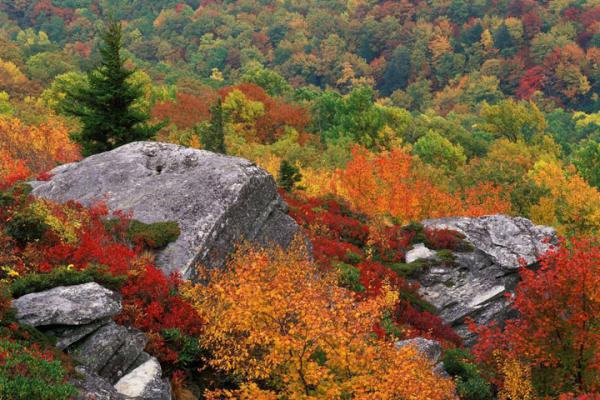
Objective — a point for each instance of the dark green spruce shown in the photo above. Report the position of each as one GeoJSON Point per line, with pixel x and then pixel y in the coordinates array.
{"type": "Point", "coordinates": [213, 136]}
{"type": "Point", "coordinates": [289, 176]}
{"type": "Point", "coordinates": [105, 106]}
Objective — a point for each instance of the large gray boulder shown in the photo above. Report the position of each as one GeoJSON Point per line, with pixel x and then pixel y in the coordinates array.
{"type": "Point", "coordinates": [217, 200]}
{"type": "Point", "coordinates": [475, 284]}
{"type": "Point", "coordinates": [67, 305]}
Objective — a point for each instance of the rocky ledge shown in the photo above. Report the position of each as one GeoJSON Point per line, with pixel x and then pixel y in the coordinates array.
{"type": "Point", "coordinates": [474, 283]}
{"type": "Point", "coordinates": [217, 200]}
{"type": "Point", "coordinates": [114, 365]}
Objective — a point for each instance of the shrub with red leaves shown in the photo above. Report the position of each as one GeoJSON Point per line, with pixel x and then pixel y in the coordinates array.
{"type": "Point", "coordinates": [439, 239]}
{"type": "Point", "coordinates": [85, 237]}
{"type": "Point", "coordinates": [337, 235]}
{"type": "Point", "coordinates": [556, 333]}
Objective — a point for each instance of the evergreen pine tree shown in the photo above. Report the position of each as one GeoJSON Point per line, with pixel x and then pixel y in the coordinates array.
{"type": "Point", "coordinates": [289, 175]}
{"type": "Point", "coordinates": [213, 137]}
{"type": "Point", "coordinates": [105, 105]}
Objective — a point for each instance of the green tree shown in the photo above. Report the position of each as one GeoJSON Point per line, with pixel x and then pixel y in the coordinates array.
{"type": "Point", "coordinates": [587, 161]}
{"type": "Point", "coordinates": [436, 150]}
{"type": "Point", "coordinates": [5, 107]}
{"type": "Point", "coordinates": [105, 106]}
{"type": "Point", "coordinates": [213, 136]}
{"type": "Point", "coordinates": [513, 120]}
{"type": "Point", "coordinates": [289, 175]}
{"type": "Point", "coordinates": [273, 83]}
{"type": "Point", "coordinates": [397, 71]}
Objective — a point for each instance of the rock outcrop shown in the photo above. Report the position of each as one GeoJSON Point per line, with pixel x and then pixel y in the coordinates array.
{"type": "Point", "coordinates": [114, 365]}
{"type": "Point", "coordinates": [216, 200]}
{"type": "Point", "coordinates": [474, 284]}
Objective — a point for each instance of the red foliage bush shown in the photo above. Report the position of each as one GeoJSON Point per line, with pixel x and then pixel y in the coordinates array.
{"type": "Point", "coordinates": [439, 239]}
{"type": "Point", "coordinates": [278, 113]}
{"type": "Point", "coordinates": [556, 333]}
{"type": "Point", "coordinates": [151, 300]}
{"type": "Point", "coordinates": [338, 235]}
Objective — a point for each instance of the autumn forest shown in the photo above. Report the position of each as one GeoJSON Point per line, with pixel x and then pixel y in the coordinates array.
{"type": "Point", "coordinates": [372, 116]}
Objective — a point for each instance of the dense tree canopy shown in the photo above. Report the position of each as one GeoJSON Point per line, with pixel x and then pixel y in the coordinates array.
{"type": "Point", "coordinates": [371, 115]}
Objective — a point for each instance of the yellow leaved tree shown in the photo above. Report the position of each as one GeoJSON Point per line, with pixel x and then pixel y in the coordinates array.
{"type": "Point", "coordinates": [287, 331]}
{"type": "Point", "coordinates": [571, 204]}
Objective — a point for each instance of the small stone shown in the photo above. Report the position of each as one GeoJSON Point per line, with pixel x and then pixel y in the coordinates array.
{"type": "Point", "coordinates": [145, 383]}
{"type": "Point", "coordinates": [418, 252]}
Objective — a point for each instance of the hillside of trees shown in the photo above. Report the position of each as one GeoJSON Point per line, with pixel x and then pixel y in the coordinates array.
{"type": "Point", "coordinates": [371, 115]}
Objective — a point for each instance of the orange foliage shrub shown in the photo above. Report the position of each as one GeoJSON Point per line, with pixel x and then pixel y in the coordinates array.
{"type": "Point", "coordinates": [32, 149]}
{"type": "Point", "coordinates": [286, 330]}
{"type": "Point", "coordinates": [278, 113]}
{"type": "Point", "coordinates": [388, 184]}
{"type": "Point", "coordinates": [187, 110]}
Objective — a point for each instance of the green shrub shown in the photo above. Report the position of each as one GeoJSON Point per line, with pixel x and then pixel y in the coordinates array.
{"type": "Point", "coordinates": [7, 313]}
{"type": "Point", "coordinates": [417, 302]}
{"type": "Point", "coordinates": [410, 270]}
{"type": "Point", "coordinates": [65, 277]}
{"type": "Point", "coordinates": [289, 176]}
{"type": "Point", "coordinates": [188, 347]}
{"type": "Point", "coordinates": [446, 256]}
{"type": "Point", "coordinates": [353, 258]}
{"type": "Point", "coordinates": [470, 385]}
{"type": "Point", "coordinates": [418, 231]}
{"type": "Point", "coordinates": [349, 277]}
{"type": "Point", "coordinates": [26, 227]}
{"type": "Point", "coordinates": [25, 374]}
{"type": "Point", "coordinates": [156, 235]}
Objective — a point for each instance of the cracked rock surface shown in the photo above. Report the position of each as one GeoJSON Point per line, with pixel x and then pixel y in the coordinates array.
{"type": "Point", "coordinates": [217, 200]}
{"type": "Point", "coordinates": [107, 353]}
{"type": "Point", "coordinates": [475, 284]}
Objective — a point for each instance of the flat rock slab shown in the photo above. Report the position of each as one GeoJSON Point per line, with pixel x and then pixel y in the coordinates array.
{"type": "Point", "coordinates": [66, 335]}
{"type": "Point", "coordinates": [217, 200]}
{"type": "Point", "coordinates": [67, 305]}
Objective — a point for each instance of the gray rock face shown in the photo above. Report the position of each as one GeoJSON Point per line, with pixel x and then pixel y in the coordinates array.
{"type": "Point", "coordinates": [504, 239]}
{"type": "Point", "coordinates": [216, 200]}
{"type": "Point", "coordinates": [66, 335]}
{"type": "Point", "coordinates": [68, 305]}
{"type": "Point", "coordinates": [96, 349]}
{"type": "Point", "coordinates": [476, 283]}
{"type": "Point", "coordinates": [93, 387]}
{"type": "Point", "coordinates": [79, 318]}
{"type": "Point", "coordinates": [125, 356]}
